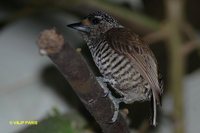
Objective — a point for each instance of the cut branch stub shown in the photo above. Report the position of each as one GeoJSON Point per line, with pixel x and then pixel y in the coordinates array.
{"type": "Point", "coordinates": [50, 42]}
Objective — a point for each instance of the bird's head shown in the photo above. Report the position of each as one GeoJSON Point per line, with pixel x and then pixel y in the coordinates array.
{"type": "Point", "coordinates": [95, 24]}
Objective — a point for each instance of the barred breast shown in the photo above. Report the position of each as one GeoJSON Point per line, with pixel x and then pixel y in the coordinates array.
{"type": "Point", "coordinates": [120, 73]}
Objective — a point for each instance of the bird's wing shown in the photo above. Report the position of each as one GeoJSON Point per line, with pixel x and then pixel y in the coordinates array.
{"type": "Point", "coordinates": [129, 44]}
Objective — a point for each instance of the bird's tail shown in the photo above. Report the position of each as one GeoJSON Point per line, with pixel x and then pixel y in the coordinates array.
{"type": "Point", "coordinates": [154, 110]}
{"type": "Point", "coordinates": [156, 102]}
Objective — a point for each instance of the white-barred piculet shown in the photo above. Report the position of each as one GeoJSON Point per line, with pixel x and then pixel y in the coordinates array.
{"type": "Point", "coordinates": [125, 61]}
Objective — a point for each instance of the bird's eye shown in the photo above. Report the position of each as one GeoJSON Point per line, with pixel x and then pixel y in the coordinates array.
{"type": "Point", "coordinates": [95, 21]}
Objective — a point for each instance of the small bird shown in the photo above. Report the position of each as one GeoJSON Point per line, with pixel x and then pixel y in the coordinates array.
{"type": "Point", "coordinates": [125, 61]}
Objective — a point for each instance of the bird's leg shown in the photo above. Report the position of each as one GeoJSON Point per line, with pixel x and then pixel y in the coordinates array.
{"type": "Point", "coordinates": [102, 81]}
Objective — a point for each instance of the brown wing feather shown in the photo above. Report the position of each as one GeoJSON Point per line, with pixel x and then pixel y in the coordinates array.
{"type": "Point", "coordinates": [130, 45]}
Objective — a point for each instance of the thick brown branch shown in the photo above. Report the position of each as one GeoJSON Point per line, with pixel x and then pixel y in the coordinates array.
{"type": "Point", "coordinates": [82, 80]}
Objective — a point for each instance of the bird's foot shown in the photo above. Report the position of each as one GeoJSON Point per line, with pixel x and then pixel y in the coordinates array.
{"type": "Point", "coordinates": [116, 102]}
{"type": "Point", "coordinates": [102, 81]}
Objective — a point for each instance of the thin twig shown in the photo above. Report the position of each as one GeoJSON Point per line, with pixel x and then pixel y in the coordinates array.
{"type": "Point", "coordinates": [190, 46]}
{"type": "Point", "coordinates": [189, 31]}
{"type": "Point", "coordinates": [157, 36]}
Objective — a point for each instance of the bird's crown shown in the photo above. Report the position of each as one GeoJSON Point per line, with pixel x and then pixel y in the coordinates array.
{"type": "Point", "coordinates": [101, 15]}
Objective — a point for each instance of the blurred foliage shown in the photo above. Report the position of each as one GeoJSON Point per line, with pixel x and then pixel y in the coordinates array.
{"type": "Point", "coordinates": [69, 123]}
{"type": "Point", "coordinates": [52, 125]}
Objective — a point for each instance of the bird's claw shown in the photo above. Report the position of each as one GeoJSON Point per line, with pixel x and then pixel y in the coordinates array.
{"type": "Point", "coordinates": [115, 102]}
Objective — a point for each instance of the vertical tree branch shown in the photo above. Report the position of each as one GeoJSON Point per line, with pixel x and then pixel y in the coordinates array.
{"type": "Point", "coordinates": [174, 20]}
{"type": "Point", "coordinates": [82, 80]}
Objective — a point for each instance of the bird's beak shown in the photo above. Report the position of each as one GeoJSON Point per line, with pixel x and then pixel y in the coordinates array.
{"type": "Point", "coordinates": [80, 27]}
